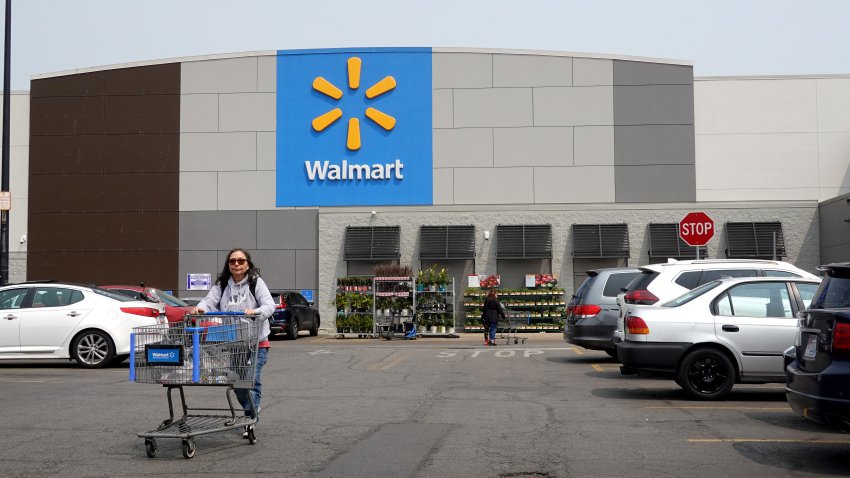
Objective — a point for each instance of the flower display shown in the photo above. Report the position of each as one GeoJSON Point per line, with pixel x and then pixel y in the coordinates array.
{"type": "Point", "coordinates": [490, 281]}
{"type": "Point", "coordinates": [545, 280]}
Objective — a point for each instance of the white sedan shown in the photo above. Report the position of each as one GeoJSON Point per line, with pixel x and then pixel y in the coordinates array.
{"type": "Point", "coordinates": [50, 320]}
{"type": "Point", "coordinates": [724, 332]}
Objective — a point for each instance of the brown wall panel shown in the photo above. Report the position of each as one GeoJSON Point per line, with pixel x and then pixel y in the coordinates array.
{"type": "Point", "coordinates": [66, 154]}
{"type": "Point", "coordinates": [95, 267]}
{"type": "Point", "coordinates": [141, 153]}
{"type": "Point", "coordinates": [142, 114]}
{"type": "Point", "coordinates": [83, 84]}
{"type": "Point", "coordinates": [139, 192]}
{"type": "Point", "coordinates": [66, 115]}
{"type": "Point", "coordinates": [104, 176]}
{"type": "Point", "coordinates": [145, 80]}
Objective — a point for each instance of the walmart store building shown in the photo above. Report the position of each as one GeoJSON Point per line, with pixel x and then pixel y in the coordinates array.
{"type": "Point", "coordinates": [324, 163]}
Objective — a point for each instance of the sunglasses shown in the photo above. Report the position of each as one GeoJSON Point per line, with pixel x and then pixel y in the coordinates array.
{"type": "Point", "coordinates": [233, 262]}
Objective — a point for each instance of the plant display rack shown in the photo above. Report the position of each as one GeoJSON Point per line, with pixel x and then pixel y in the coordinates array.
{"type": "Point", "coordinates": [394, 307]}
{"type": "Point", "coordinates": [355, 306]}
{"type": "Point", "coordinates": [435, 308]}
{"type": "Point", "coordinates": [534, 310]}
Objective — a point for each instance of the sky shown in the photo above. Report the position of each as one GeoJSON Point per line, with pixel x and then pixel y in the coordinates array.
{"type": "Point", "coordinates": [720, 37]}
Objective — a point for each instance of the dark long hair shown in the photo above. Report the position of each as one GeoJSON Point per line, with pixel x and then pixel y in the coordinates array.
{"type": "Point", "coordinates": [252, 273]}
{"type": "Point", "coordinates": [491, 295]}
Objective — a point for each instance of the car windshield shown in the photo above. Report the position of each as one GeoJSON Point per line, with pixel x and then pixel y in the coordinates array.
{"type": "Point", "coordinates": [112, 295]}
{"type": "Point", "coordinates": [691, 294]}
{"type": "Point", "coordinates": [169, 299]}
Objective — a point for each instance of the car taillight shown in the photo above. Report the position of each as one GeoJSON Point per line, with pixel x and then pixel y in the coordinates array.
{"type": "Point", "coordinates": [636, 325]}
{"type": "Point", "coordinates": [143, 311]}
{"type": "Point", "coordinates": [841, 338]}
{"type": "Point", "coordinates": [586, 311]}
{"type": "Point", "coordinates": [640, 297]}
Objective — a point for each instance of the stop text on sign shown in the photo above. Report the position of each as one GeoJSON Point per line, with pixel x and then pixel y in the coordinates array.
{"type": "Point", "coordinates": [699, 228]}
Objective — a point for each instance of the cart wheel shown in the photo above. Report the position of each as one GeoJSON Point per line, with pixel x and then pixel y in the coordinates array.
{"type": "Point", "coordinates": [188, 448]}
{"type": "Point", "coordinates": [516, 341]}
{"type": "Point", "coordinates": [150, 447]}
{"type": "Point", "coordinates": [252, 435]}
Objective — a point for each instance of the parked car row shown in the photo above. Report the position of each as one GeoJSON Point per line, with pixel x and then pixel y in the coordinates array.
{"type": "Point", "coordinates": [711, 324]}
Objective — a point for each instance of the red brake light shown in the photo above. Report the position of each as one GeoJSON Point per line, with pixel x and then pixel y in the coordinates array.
{"type": "Point", "coordinates": [640, 297]}
{"type": "Point", "coordinates": [143, 311]}
{"type": "Point", "coordinates": [841, 338]}
{"type": "Point", "coordinates": [586, 311]}
{"type": "Point", "coordinates": [636, 325]}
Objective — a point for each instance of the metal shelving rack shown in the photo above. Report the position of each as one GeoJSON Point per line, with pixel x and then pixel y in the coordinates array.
{"type": "Point", "coordinates": [444, 303]}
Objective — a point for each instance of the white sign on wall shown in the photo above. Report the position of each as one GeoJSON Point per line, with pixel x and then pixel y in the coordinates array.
{"type": "Point", "coordinates": [198, 281]}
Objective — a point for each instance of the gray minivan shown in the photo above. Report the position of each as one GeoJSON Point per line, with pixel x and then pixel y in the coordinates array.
{"type": "Point", "coordinates": [592, 311]}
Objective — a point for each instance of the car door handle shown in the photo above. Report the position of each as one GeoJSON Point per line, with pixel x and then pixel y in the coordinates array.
{"type": "Point", "coordinates": [730, 328]}
{"type": "Point", "coordinates": [10, 317]}
{"type": "Point", "coordinates": [73, 313]}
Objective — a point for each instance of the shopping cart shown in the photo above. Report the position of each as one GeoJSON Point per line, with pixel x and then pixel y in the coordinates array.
{"type": "Point", "coordinates": [216, 349]}
{"type": "Point", "coordinates": [509, 326]}
{"type": "Point", "coordinates": [395, 326]}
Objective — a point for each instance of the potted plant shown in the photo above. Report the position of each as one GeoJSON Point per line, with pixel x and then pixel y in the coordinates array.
{"type": "Point", "coordinates": [442, 279]}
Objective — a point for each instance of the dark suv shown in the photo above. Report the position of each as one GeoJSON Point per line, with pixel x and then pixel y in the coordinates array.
{"type": "Point", "coordinates": [817, 371]}
{"type": "Point", "coordinates": [592, 311]}
{"type": "Point", "coordinates": [293, 314]}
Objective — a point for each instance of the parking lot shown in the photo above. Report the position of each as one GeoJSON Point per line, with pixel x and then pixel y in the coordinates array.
{"type": "Point", "coordinates": [430, 407]}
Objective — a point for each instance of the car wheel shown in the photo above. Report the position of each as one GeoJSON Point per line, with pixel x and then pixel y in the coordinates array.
{"type": "Point", "coordinates": [93, 349]}
{"type": "Point", "coordinates": [706, 374]}
{"type": "Point", "coordinates": [292, 329]}
{"type": "Point", "coordinates": [314, 330]}
{"type": "Point", "coordinates": [611, 353]}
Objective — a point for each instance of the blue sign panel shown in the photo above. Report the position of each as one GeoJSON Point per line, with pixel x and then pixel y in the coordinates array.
{"type": "Point", "coordinates": [164, 354]}
{"type": "Point", "coordinates": [308, 294]}
{"type": "Point", "coordinates": [354, 127]}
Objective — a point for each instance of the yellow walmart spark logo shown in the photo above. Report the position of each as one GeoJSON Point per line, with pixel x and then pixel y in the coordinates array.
{"type": "Point", "coordinates": [380, 118]}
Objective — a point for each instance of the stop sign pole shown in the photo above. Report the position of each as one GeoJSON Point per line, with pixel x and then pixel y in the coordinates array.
{"type": "Point", "coordinates": [696, 229]}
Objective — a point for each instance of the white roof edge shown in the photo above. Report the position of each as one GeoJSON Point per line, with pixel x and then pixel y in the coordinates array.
{"type": "Point", "coordinates": [220, 56]}
{"type": "Point", "coordinates": [183, 59]}
{"type": "Point", "coordinates": [603, 56]}
{"type": "Point", "coordinates": [773, 77]}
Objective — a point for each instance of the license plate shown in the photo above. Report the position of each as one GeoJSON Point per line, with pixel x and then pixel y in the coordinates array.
{"type": "Point", "coordinates": [811, 347]}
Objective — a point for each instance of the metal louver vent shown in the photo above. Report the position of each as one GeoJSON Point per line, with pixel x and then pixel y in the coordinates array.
{"type": "Point", "coordinates": [664, 241]}
{"type": "Point", "coordinates": [754, 240]}
{"type": "Point", "coordinates": [447, 242]}
{"type": "Point", "coordinates": [372, 243]}
{"type": "Point", "coordinates": [600, 241]}
{"type": "Point", "coordinates": [533, 241]}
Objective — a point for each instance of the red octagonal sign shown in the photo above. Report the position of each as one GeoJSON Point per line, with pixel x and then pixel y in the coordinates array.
{"type": "Point", "coordinates": [696, 228]}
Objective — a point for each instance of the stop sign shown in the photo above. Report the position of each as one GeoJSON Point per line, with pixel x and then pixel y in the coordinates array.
{"type": "Point", "coordinates": [696, 228]}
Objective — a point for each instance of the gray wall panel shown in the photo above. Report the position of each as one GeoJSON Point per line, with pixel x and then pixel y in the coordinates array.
{"type": "Point", "coordinates": [834, 229]}
{"type": "Point", "coordinates": [573, 106]}
{"type": "Point", "coordinates": [307, 269]}
{"type": "Point", "coordinates": [653, 104]}
{"type": "Point", "coordinates": [592, 72]}
{"type": "Point", "coordinates": [532, 70]}
{"type": "Point", "coordinates": [288, 229]}
{"type": "Point", "coordinates": [533, 146]}
{"type": "Point", "coordinates": [640, 73]}
{"type": "Point", "coordinates": [462, 70]}
{"type": "Point", "coordinates": [665, 183]}
{"type": "Point", "coordinates": [654, 144]}
{"type": "Point", "coordinates": [593, 145]}
{"type": "Point", "coordinates": [504, 107]}
{"type": "Point", "coordinates": [277, 267]}
{"type": "Point", "coordinates": [217, 230]}
{"type": "Point", "coordinates": [470, 147]}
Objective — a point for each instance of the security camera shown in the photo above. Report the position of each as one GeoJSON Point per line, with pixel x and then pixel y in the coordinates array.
{"type": "Point", "coordinates": [374, 212]}
{"type": "Point", "coordinates": [23, 238]}
{"type": "Point", "coordinates": [486, 235]}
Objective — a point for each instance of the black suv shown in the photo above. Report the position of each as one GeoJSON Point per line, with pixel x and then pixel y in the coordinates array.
{"type": "Point", "coordinates": [817, 368]}
{"type": "Point", "coordinates": [293, 314]}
